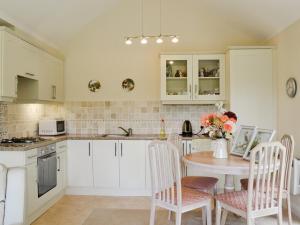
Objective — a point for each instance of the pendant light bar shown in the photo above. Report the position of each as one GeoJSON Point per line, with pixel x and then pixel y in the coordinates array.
{"type": "Point", "coordinates": [144, 39]}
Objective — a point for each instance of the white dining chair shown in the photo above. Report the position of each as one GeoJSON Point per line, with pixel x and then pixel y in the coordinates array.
{"type": "Point", "coordinates": [288, 143]}
{"type": "Point", "coordinates": [201, 183]}
{"type": "Point", "coordinates": [265, 186]}
{"type": "Point", "coordinates": [167, 191]}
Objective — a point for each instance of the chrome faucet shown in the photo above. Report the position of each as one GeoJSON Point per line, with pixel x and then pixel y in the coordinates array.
{"type": "Point", "coordinates": [127, 132]}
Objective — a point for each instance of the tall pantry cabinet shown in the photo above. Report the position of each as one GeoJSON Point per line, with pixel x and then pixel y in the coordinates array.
{"type": "Point", "coordinates": [252, 85]}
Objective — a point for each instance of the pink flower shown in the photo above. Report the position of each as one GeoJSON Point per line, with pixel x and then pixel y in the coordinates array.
{"type": "Point", "coordinates": [224, 118]}
{"type": "Point", "coordinates": [228, 127]}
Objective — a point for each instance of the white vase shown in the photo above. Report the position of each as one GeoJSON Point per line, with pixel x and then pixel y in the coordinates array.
{"type": "Point", "coordinates": [219, 146]}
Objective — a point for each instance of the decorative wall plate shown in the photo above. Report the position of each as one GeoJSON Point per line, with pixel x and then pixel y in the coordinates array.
{"type": "Point", "coordinates": [128, 84]}
{"type": "Point", "coordinates": [291, 87]}
{"type": "Point", "coordinates": [94, 85]}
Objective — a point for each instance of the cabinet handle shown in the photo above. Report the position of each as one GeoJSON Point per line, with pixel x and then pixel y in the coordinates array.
{"type": "Point", "coordinates": [53, 92]}
{"type": "Point", "coordinates": [121, 149]}
{"type": "Point", "coordinates": [58, 159]}
{"type": "Point", "coordinates": [190, 91]}
{"type": "Point", "coordinates": [183, 153]}
{"type": "Point", "coordinates": [89, 149]}
{"type": "Point", "coordinates": [30, 74]}
{"type": "Point", "coordinates": [196, 89]}
{"type": "Point", "coordinates": [115, 149]}
{"type": "Point", "coordinates": [16, 86]}
{"type": "Point", "coordinates": [190, 147]}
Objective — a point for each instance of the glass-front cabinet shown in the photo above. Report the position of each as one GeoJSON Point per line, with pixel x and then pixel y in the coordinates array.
{"type": "Point", "coordinates": [177, 77]}
{"type": "Point", "coordinates": [193, 77]}
{"type": "Point", "coordinates": [209, 77]}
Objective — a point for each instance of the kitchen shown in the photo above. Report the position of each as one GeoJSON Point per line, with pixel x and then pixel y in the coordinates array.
{"type": "Point", "coordinates": [88, 75]}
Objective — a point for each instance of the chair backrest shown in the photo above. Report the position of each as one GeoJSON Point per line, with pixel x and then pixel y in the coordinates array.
{"type": "Point", "coordinates": [176, 140]}
{"type": "Point", "coordinates": [289, 144]}
{"type": "Point", "coordinates": [165, 173]}
{"type": "Point", "coordinates": [267, 167]}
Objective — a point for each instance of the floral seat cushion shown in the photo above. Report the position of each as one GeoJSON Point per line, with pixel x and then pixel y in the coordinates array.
{"type": "Point", "coordinates": [199, 183]}
{"type": "Point", "coordinates": [189, 196]}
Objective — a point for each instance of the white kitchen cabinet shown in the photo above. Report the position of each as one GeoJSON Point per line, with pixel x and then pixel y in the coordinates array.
{"type": "Point", "coordinates": [132, 164]}
{"type": "Point", "coordinates": [27, 72]}
{"type": "Point", "coordinates": [61, 170]}
{"type": "Point", "coordinates": [209, 77]}
{"type": "Point", "coordinates": [106, 164]}
{"type": "Point", "coordinates": [32, 188]}
{"type": "Point", "coordinates": [252, 86]}
{"type": "Point", "coordinates": [176, 77]}
{"type": "Point", "coordinates": [190, 79]}
{"type": "Point", "coordinates": [10, 65]}
{"type": "Point", "coordinates": [80, 163]}
{"type": "Point", "coordinates": [51, 78]}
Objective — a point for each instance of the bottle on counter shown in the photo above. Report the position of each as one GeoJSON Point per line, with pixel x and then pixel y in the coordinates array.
{"type": "Point", "coordinates": [162, 133]}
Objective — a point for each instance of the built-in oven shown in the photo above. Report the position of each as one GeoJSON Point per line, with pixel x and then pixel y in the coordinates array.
{"type": "Point", "coordinates": [47, 169]}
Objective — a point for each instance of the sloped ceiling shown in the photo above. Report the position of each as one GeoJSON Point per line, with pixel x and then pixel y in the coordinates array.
{"type": "Point", "coordinates": [57, 21]}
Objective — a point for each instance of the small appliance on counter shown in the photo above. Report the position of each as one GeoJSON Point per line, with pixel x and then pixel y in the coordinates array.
{"type": "Point", "coordinates": [187, 130]}
{"type": "Point", "coordinates": [52, 127]}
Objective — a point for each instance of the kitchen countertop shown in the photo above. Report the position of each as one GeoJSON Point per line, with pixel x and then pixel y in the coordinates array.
{"type": "Point", "coordinates": [53, 139]}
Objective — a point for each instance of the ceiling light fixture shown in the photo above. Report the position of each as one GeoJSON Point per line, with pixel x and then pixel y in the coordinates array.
{"type": "Point", "coordinates": [144, 39]}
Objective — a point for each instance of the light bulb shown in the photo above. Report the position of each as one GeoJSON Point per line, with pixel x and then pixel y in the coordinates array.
{"type": "Point", "coordinates": [175, 39]}
{"type": "Point", "coordinates": [128, 41]}
{"type": "Point", "coordinates": [171, 62]}
{"type": "Point", "coordinates": [144, 41]}
{"type": "Point", "coordinates": [159, 40]}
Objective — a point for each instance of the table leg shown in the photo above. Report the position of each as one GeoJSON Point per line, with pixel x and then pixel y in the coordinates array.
{"type": "Point", "coordinates": [229, 183]}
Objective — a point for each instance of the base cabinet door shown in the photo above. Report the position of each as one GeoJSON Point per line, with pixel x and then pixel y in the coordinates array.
{"type": "Point", "coordinates": [32, 188]}
{"type": "Point", "coordinates": [106, 164]}
{"type": "Point", "coordinates": [132, 164]}
{"type": "Point", "coordinates": [61, 171]}
{"type": "Point", "coordinates": [80, 168]}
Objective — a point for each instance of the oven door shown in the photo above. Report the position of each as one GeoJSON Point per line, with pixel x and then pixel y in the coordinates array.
{"type": "Point", "coordinates": [60, 126]}
{"type": "Point", "coordinates": [47, 173]}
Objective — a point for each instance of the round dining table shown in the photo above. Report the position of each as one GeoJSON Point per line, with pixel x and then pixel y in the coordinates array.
{"type": "Point", "coordinates": [230, 167]}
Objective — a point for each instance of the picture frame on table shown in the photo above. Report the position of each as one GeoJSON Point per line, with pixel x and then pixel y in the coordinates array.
{"type": "Point", "coordinates": [243, 140]}
{"type": "Point", "coordinates": [261, 136]}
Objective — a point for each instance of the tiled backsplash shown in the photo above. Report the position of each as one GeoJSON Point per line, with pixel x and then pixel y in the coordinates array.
{"type": "Point", "coordinates": [99, 117]}
{"type": "Point", "coordinates": [142, 116]}
{"type": "Point", "coordinates": [17, 120]}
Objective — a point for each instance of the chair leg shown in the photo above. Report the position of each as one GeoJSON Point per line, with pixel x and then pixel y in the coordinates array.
{"type": "Point", "coordinates": [218, 213]}
{"type": "Point", "coordinates": [178, 218]}
{"type": "Point", "coordinates": [215, 190]}
{"type": "Point", "coordinates": [289, 209]}
{"type": "Point", "coordinates": [170, 215]}
{"type": "Point", "coordinates": [279, 217]}
{"type": "Point", "coordinates": [204, 211]}
{"type": "Point", "coordinates": [152, 214]}
{"type": "Point", "coordinates": [250, 221]}
{"type": "Point", "coordinates": [224, 217]}
{"type": "Point", "coordinates": [208, 213]}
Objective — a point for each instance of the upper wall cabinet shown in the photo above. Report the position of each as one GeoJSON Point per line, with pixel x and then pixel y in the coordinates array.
{"type": "Point", "coordinates": [51, 80]}
{"type": "Point", "coordinates": [192, 78]}
{"type": "Point", "coordinates": [27, 72]}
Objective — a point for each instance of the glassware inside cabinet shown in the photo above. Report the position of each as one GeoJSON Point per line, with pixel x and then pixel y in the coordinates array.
{"type": "Point", "coordinates": [176, 77]}
{"type": "Point", "coordinates": [209, 77]}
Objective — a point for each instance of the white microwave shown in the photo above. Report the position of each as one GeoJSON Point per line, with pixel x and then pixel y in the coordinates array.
{"type": "Point", "coordinates": [52, 127]}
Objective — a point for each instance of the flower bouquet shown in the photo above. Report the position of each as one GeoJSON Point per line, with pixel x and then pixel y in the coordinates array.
{"type": "Point", "coordinates": [219, 127]}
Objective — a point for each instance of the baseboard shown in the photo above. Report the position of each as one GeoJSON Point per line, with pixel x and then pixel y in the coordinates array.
{"type": "Point", "coordinates": [107, 192]}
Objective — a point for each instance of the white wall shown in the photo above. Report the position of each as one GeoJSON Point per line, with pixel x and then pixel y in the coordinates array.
{"type": "Point", "coordinates": [99, 52]}
{"type": "Point", "coordinates": [288, 56]}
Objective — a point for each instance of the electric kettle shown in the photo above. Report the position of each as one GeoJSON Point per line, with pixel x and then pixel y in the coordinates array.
{"type": "Point", "coordinates": [187, 130]}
